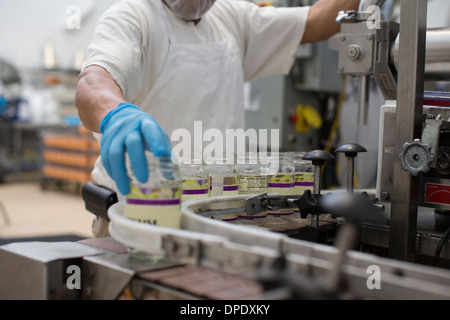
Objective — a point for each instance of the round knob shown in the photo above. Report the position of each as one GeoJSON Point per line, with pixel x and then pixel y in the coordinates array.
{"type": "Point", "coordinates": [351, 149]}
{"type": "Point", "coordinates": [416, 157]}
{"type": "Point", "coordinates": [354, 52]}
{"type": "Point", "coordinates": [318, 157]}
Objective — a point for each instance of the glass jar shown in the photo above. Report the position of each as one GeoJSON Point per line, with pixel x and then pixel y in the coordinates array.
{"type": "Point", "coordinates": [304, 179]}
{"type": "Point", "coordinates": [156, 201]}
{"type": "Point", "coordinates": [222, 172]}
{"type": "Point", "coordinates": [194, 176]}
{"type": "Point", "coordinates": [252, 178]}
{"type": "Point", "coordinates": [281, 181]}
{"type": "Point", "coordinates": [252, 173]}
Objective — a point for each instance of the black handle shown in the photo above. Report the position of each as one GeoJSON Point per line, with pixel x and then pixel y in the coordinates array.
{"type": "Point", "coordinates": [351, 149]}
{"type": "Point", "coordinates": [98, 199]}
{"type": "Point", "coordinates": [318, 157]}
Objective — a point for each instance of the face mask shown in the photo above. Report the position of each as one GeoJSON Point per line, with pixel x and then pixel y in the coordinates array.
{"type": "Point", "coordinates": [188, 10]}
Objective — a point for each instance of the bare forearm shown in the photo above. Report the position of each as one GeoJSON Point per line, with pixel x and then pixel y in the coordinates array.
{"type": "Point", "coordinates": [321, 22]}
{"type": "Point", "coordinates": [97, 94]}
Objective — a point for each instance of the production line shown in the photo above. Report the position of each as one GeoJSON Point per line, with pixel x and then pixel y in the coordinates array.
{"type": "Point", "coordinates": [397, 231]}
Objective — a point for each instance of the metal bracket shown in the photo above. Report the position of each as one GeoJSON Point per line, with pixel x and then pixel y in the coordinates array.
{"type": "Point", "coordinates": [252, 205]}
{"type": "Point", "coordinates": [430, 135]}
{"type": "Point", "coordinates": [264, 202]}
{"type": "Point", "coordinates": [352, 16]}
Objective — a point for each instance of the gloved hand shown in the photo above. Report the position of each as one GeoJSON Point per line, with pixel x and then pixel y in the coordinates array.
{"type": "Point", "coordinates": [3, 105]}
{"type": "Point", "coordinates": [128, 129]}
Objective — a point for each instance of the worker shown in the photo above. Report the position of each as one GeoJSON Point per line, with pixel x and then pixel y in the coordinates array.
{"type": "Point", "coordinates": [157, 65]}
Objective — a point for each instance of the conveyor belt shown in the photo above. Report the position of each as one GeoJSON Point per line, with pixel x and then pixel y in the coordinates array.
{"type": "Point", "coordinates": [211, 243]}
{"type": "Point", "coordinates": [206, 283]}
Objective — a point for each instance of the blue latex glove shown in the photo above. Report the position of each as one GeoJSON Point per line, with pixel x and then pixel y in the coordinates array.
{"type": "Point", "coordinates": [128, 129]}
{"type": "Point", "coordinates": [3, 105]}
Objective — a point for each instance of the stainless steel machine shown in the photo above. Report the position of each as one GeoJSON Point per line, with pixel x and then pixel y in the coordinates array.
{"type": "Point", "coordinates": [413, 146]}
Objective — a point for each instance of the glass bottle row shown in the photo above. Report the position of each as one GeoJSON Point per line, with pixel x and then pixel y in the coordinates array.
{"type": "Point", "coordinates": [172, 181]}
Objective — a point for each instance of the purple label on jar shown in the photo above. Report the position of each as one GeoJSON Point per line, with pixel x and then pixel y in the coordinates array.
{"type": "Point", "coordinates": [195, 191]}
{"type": "Point", "coordinates": [304, 184]}
{"type": "Point", "coordinates": [148, 190]}
{"type": "Point", "coordinates": [252, 217]}
{"type": "Point", "coordinates": [280, 213]}
{"type": "Point", "coordinates": [280, 185]}
{"type": "Point", "coordinates": [154, 202]}
{"type": "Point", "coordinates": [231, 188]}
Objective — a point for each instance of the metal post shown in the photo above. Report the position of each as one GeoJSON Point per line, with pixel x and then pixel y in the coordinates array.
{"type": "Point", "coordinates": [363, 100]}
{"type": "Point", "coordinates": [316, 190]}
{"type": "Point", "coordinates": [408, 126]}
{"type": "Point", "coordinates": [317, 179]}
{"type": "Point", "coordinates": [350, 174]}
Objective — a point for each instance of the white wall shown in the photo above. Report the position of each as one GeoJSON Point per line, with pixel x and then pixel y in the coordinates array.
{"type": "Point", "coordinates": [27, 25]}
{"type": "Point", "coordinates": [438, 13]}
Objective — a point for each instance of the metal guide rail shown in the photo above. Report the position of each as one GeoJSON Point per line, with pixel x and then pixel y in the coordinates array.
{"type": "Point", "coordinates": [285, 267]}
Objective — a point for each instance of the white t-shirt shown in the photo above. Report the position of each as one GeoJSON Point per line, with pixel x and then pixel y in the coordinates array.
{"type": "Point", "coordinates": [130, 40]}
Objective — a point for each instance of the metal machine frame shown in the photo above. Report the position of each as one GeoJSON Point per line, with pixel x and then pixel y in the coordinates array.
{"type": "Point", "coordinates": [368, 52]}
{"type": "Point", "coordinates": [411, 72]}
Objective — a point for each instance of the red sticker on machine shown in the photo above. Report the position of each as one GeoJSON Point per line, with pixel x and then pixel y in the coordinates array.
{"type": "Point", "coordinates": [437, 193]}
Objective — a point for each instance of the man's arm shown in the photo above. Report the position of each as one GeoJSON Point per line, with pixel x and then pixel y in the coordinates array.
{"type": "Point", "coordinates": [97, 94]}
{"type": "Point", "coordinates": [125, 127]}
{"type": "Point", "coordinates": [321, 23]}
